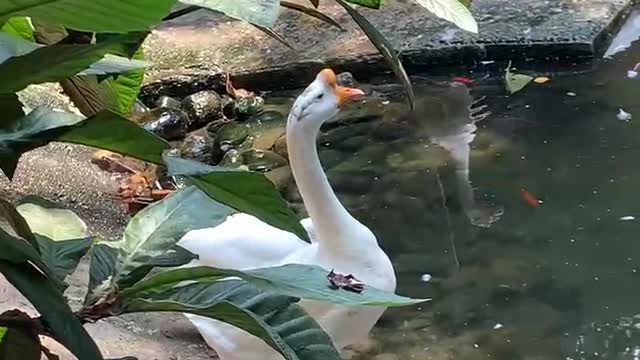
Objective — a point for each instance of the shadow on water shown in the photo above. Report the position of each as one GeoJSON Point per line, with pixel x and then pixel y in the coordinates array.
{"type": "Point", "coordinates": [559, 280]}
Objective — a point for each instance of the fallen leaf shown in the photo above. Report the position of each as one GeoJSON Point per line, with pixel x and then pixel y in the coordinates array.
{"type": "Point", "coordinates": [515, 82]}
{"type": "Point", "coordinates": [541, 80]}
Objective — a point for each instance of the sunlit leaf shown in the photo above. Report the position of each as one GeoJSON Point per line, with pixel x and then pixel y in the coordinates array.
{"type": "Point", "coordinates": [515, 82]}
{"type": "Point", "coordinates": [115, 16]}
{"type": "Point", "coordinates": [19, 27]}
{"type": "Point", "coordinates": [63, 238]}
{"type": "Point", "coordinates": [103, 266]}
{"type": "Point", "coordinates": [295, 280]}
{"type": "Point", "coordinates": [275, 319]}
{"type": "Point", "coordinates": [260, 12]}
{"type": "Point", "coordinates": [158, 228]}
{"type": "Point", "coordinates": [385, 48]}
{"type": "Point", "coordinates": [453, 11]}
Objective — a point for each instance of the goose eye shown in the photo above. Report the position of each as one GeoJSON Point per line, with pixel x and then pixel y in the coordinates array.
{"type": "Point", "coordinates": [320, 96]}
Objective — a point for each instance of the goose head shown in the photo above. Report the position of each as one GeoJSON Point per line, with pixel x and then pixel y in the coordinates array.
{"type": "Point", "coordinates": [320, 101]}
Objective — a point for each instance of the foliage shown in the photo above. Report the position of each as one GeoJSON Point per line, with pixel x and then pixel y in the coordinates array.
{"type": "Point", "coordinates": [93, 49]}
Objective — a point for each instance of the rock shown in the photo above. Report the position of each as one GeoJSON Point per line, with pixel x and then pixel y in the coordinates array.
{"type": "Point", "coordinates": [167, 123]}
{"type": "Point", "coordinates": [329, 158]}
{"type": "Point", "coordinates": [268, 117]}
{"type": "Point", "coordinates": [248, 106]}
{"type": "Point", "coordinates": [262, 160]}
{"type": "Point", "coordinates": [203, 107]}
{"type": "Point", "coordinates": [356, 182]}
{"type": "Point", "coordinates": [199, 146]}
{"type": "Point", "coordinates": [231, 159]}
{"type": "Point", "coordinates": [346, 79]}
{"type": "Point", "coordinates": [229, 108]}
{"type": "Point", "coordinates": [139, 107]}
{"type": "Point", "coordinates": [267, 139]}
{"type": "Point", "coordinates": [230, 135]}
{"type": "Point", "coordinates": [280, 146]}
{"type": "Point", "coordinates": [280, 177]}
{"type": "Point", "coordinates": [167, 101]}
{"type": "Point", "coordinates": [386, 356]}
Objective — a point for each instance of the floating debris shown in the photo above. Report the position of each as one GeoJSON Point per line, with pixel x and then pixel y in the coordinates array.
{"type": "Point", "coordinates": [426, 278]}
{"type": "Point", "coordinates": [515, 82]}
{"type": "Point", "coordinates": [623, 115]}
{"type": "Point", "coordinates": [571, 93]}
{"type": "Point", "coordinates": [497, 326]}
{"type": "Point", "coordinates": [346, 282]}
{"type": "Point", "coordinates": [541, 80]}
{"type": "Point", "coordinates": [628, 218]}
{"type": "Point", "coordinates": [463, 79]}
{"type": "Point", "coordinates": [632, 74]}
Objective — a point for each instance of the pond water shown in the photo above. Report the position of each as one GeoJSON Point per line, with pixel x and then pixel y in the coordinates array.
{"type": "Point", "coordinates": [541, 260]}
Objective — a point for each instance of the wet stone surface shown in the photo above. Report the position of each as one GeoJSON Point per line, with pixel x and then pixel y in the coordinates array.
{"type": "Point", "coordinates": [194, 45]}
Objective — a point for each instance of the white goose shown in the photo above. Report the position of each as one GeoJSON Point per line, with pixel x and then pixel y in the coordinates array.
{"type": "Point", "coordinates": [338, 240]}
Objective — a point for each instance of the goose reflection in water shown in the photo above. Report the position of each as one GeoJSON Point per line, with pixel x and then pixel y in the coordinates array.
{"type": "Point", "coordinates": [446, 114]}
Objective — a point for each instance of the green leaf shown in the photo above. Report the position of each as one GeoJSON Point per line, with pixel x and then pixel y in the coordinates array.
{"type": "Point", "coordinates": [19, 341]}
{"type": "Point", "coordinates": [13, 223]}
{"type": "Point", "coordinates": [295, 280]}
{"type": "Point", "coordinates": [103, 266]}
{"type": "Point", "coordinates": [55, 313]}
{"type": "Point", "coordinates": [260, 12]}
{"type": "Point", "coordinates": [311, 12]}
{"type": "Point", "coordinates": [172, 258]}
{"type": "Point", "coordinates": [515, 82]}
{"type": "Point", "coordinates": [159, 227]}
{"type": "Point", "coordinates": [453, 11]}
{"type": "Point", "coordinates": [3, 331]}
{"type": "Point", "coordinates": [62, 236]}
{"type": "Point", "coordinates": [110, 131]}
{"type": "Point", "coordinates": [19, 27]}
{"type": "Point", "coordinates": [37, 128]}
{"type": "Point", "coordinates": [384, 47]}
{"type": "Point", "coordinates": [373, 4]}
{"type": "Point", "coordinates": [11, 109]}
{"type": "Point", "coordinates": [247, 192]}
{"type": "Point", "coordinates": [34, 64]}
{"type": "Point", "coordinates": [115, 16]}
{"type": "Point", "coordinates": [275, 319]}
{"type": "Point", "coordinates": [125, 87]}
{"type": "Point", "coordinates": [23, 267]}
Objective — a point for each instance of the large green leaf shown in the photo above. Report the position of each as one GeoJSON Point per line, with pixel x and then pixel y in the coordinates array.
{"type": "Point", "coordinates": [32, 63]}
{"type": "Point", "coordinates": [110, 131]}
{"type": "Point", "coordinates": [11, 109]}
{"type": "Point", "coordinates": [124, 88]}
{"type": "Point", "coordinates": [515, 82]}
{"type": "Point", "coordinates": [295, 280]}
{"type": "Point", "coordinates": [275, 319]}
{"type": "Point", "coordinates": [244, 191]}
{"type": "Point", "coordinates": [374, 4]}
{"type": "Point", "coordinates": [158, 228]}
{"type": "Point", "coordinates": [115, 16]}
{"type": "Point", "coordinates": [19, 341]}
{"type": "Point", "coordinates": [19, 27]}
{"type": "Point", "coordinates": [62, 236]}
{"type": "Point", "coordinates": [384, 47]}
{"type": "Point", "coordinates": [103, 266]}
{"type": "Point", "coordinates": [260, 12]}
{"type": "Point", "coordinates": [453, 11]}
{"type": "Point", "coordinates": [23, 267]}
{"type": "Point", "coordinates": [28, 132]}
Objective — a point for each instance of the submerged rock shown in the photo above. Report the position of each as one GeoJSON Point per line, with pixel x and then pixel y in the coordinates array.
{"type": "Point", "coordinates": [280, 146]}
{"type": "Point", "coordinates": [167, 101]}
{"type": "Point", "coordinates": [167, 123]}
{"type": "Point", "coordinates": [230, 135]}
{"type": "Point", "coordinates": [280, 177]}
{"type": "Point", "coordinates": [267, 117]}
{"type": "Point", "coordinates": [199, 146]}
{"type": "Point", "coordinates": [203, 107]}
{"type": "Point", "coordinates": [139, 107]}
{"type": "Point", "coordinates": [262, 160]}
{"type": "Point", "coordinates": [232, 158]}
{"type": "Point", "coordinates": [229, 108]}
{"type": "Point", "coordinates": [248, 106]}
{"type": "Point", "coordinates": [346, 79]}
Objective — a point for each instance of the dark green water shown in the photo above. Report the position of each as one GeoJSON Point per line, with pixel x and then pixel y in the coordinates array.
{"type": "Point", "coordinates": [557, 281]}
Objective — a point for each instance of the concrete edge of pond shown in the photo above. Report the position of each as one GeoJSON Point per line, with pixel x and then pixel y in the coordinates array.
{"type": "Point", "coordinates": [429, 58]}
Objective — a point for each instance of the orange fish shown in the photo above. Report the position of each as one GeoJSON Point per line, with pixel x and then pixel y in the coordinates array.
{"type": "Point", "coordinates": [530, 199]}
{"type": "Point", "coordinates": [463, 79]}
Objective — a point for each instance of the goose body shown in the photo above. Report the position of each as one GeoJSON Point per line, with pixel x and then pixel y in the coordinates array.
{"type": "Point", "coordinates": [338, 241]}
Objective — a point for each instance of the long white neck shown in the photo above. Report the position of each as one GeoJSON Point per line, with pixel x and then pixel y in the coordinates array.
{"type": "Point", "coordinates": [332, 222]}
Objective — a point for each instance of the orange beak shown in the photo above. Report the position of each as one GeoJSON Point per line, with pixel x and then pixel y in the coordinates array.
{"type": "Point", "coordinates": [346, 94]}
